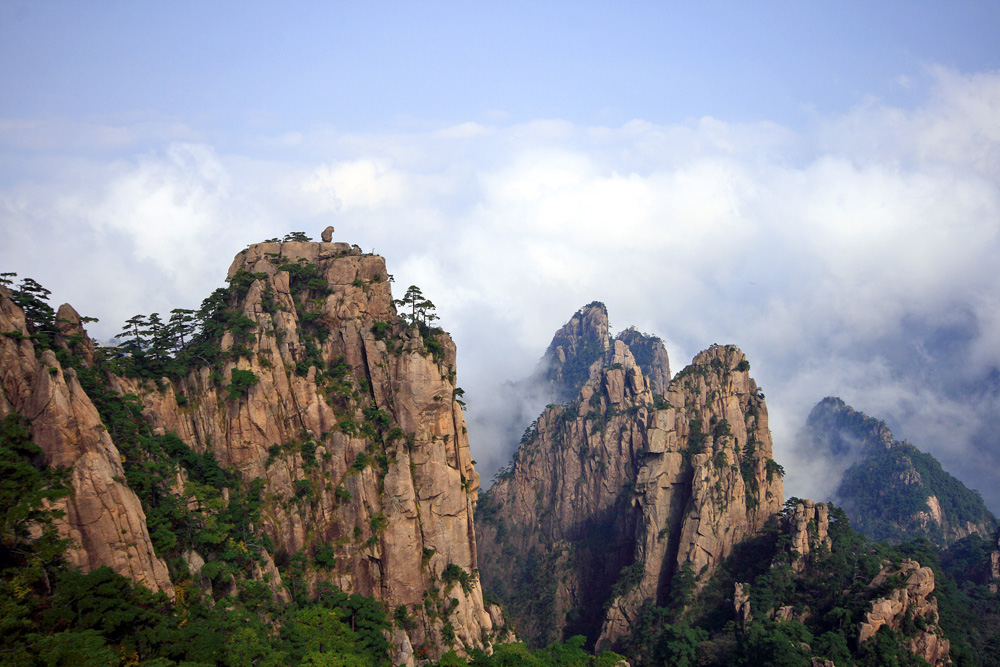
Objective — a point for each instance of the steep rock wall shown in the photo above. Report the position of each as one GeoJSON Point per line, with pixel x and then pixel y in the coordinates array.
{"type": "Point", "coordinates": [103, 517]}
{"type": "Point", "coordinates": [313, 388]}
{"type": "Point", "coordinates": [353, 425]}
{"type": "Point", "coordinates": [611, 494]}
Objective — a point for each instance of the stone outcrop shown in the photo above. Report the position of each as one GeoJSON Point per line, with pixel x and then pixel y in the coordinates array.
{"type": "Point", "coordinates": [618, 490]}
{"type": "Point", "coordinates": [808, 526]}
{"type": "Point", "coordinates": [390, 486]}
{"type": "Point", "coordinates": [741, 605]}
{"type": "Point", "coordinates": [912, 586]}
{"type": "Point", "coordinates": [995, 568]}
{"type": "Point", "coordinates": [103, 517]}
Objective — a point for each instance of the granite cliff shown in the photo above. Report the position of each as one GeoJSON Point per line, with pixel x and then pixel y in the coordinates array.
{"type": "Point", "coordinates": [103, 516]}
{"type": "Point", "coordinates": [629, 486]}
{"type": "Point", "coordinates": [307, 413]}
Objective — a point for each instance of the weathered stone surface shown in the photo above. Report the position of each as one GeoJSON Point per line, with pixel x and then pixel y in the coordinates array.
{"type": "Point", "coordinates": [395, 525]}
{"type": "Point", "coordinates": [388, 484]}
{"type": "Point", "coordinates": [327, 234]}
{"type": "Point", "coordinates": [913, 598]}
{"type": "Point", "coordinates": [808, 526]}
{"type": "Point", "coordinates": [741, 605]}
{"type": "Point", "coordinates": [103, 516]}
{"type": "Point", "coordinates": [658, 478]}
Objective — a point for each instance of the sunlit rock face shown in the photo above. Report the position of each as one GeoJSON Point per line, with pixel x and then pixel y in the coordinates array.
{"type": "Point", "coordinates": [633, 480]}
{"type": "Point", "coordinates": [346, 413]}
{"type": "Point", "coordinates": [103, 516]}
{"type": "Point", "coordinates": [913, 598]}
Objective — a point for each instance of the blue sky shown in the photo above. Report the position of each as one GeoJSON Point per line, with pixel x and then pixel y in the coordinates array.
{"type": "Point", "coordinates": [231, 68]}
{"type": "Point", "coordinates": [818, 183]}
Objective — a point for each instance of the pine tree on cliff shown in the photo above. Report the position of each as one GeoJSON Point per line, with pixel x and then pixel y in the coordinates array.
{"type": "Point", "coordinates": [421, 309]}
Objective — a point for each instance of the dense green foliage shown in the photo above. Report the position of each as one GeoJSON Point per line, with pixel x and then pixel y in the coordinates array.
{"type": "Point", "coordinates": [885, 509]}
{"type": "Point", "coordinates": [888, 485]}
{"type": "Point", "coordinates": [568, 654]}
{"type": "Point", "coordinates": [29, 544]}
{"type": "Point", "coordinates": [101, 618]}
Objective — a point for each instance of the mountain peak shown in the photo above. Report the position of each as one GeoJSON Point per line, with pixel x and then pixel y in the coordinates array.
{"type": "Point", "coordinates": [574, 349]}
{"type": "Point", "coordinates": [891, 490]}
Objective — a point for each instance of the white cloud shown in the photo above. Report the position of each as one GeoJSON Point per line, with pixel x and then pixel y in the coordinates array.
{"type": "Point", "coordinates": [836, 257]}
{"type": "Point", "coordinates": [364, 184]}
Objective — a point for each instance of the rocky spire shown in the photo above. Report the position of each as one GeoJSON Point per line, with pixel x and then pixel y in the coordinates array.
{"type": "Point", "coordinates": [574, 349]}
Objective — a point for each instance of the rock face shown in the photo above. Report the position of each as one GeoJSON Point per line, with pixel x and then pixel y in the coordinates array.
{"type": "Point", "coordinates": [583, 342]}
{"type": "Point", "coordinates": [808, 527]}
{"type": "Point", "coordinates": [615, 493]}
{"type": "Point", "coordinates": [891, 490]}
{"type": "Point", "coordinates": [393, 487]}
{"type": "Point", "coordinates": [912, 586]}
{"type": "Point", "coordinates": [345, 413]}
{"type": "Point", "coordinates": [103, 515]}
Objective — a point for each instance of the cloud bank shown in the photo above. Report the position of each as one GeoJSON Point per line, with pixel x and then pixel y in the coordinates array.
{"type": "Point", "coordinates": [855, 258]}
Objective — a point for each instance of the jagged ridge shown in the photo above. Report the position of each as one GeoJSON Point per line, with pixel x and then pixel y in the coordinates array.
{"type": "Point", "coordinates": [317, 388]}
{"type": "Point", "coordinates": [611, 494]}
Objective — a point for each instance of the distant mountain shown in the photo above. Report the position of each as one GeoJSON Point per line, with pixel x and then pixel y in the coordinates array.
{"type": "Point", "coordinates": [891, 490]}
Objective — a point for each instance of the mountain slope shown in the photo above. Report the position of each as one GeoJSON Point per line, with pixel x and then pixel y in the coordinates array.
{"type": "Point", "coordinates": [891, 490]}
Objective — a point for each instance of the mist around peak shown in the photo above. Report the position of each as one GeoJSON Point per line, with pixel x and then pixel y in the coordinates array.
{"type": "Point", "coordinates": [891, 490]}
{"type": "Point", "coordinates": [500, 419]}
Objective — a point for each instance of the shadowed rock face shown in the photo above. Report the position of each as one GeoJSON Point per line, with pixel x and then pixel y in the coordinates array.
{"type": "Point", "coordinates": [582, 343]}
{"type": "Point", "coordinates": [351, 424]}
{"type": "Point", "coordinates": [611, 493]}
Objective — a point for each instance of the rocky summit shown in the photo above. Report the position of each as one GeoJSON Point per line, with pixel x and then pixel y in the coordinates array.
{"type": "Point", "coordinates": [629, 485]}
{"type": "Point", "coordinates": [334, 418]}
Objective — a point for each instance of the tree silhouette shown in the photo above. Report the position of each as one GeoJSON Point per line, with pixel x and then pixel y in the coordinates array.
{"type": "Point", "coordinates": [421, 310]}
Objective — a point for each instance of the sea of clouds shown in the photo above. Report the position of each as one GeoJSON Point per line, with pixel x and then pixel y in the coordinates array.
{"type": "Point", "coordinates": [856, 257]}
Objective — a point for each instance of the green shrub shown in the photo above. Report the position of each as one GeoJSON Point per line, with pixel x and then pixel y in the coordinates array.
{"type": "Point", "coordinates": [241, 383]}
